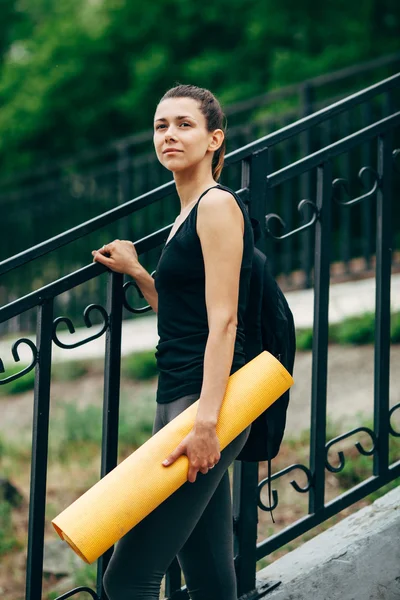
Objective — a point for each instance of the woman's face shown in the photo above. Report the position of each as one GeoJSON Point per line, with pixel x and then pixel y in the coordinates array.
{"type": "Point", "coordinates": [179, 124]}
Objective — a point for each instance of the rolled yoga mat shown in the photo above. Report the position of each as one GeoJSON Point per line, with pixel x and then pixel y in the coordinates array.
{"type": "Point", "coordinates": [128, 493]}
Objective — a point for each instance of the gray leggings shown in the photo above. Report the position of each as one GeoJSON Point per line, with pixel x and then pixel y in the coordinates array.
{"type": "Point", "coordinates": [194, 524]}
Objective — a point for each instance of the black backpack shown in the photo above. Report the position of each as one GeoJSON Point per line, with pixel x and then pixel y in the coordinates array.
{"type": "Point", "coordinates": [269, 325]}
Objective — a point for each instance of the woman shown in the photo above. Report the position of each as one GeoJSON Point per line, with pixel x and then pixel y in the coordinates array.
{"type": "Point", "coordinates": [199, 294]}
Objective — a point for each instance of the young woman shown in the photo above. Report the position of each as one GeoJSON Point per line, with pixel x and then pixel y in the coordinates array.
{"type": "Point", "coordinates": [199, 294]}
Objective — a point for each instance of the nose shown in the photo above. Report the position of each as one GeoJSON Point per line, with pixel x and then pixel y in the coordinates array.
{"type": "Point", "coordinates": [169, 132]}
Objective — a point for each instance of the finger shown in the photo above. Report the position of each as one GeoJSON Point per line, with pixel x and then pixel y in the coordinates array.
{"type": "Point", "coordinates": [104, 251]}
{"type": "Point", "coordinates": [204, 470]}
{"type": "Point", "coordinates": [192, 474]}
{"type": "Point", "coordinates": [98, 257]}
{"type": "Point", "coordinates": [179, 450]}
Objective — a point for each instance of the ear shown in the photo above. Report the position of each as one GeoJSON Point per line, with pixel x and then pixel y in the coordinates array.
{"type": "Point", "coordinates": [217, 137]}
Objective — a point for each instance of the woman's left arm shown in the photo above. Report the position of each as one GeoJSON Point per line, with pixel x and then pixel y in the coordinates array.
{"type": "Point", "coordinates": [220, 226]}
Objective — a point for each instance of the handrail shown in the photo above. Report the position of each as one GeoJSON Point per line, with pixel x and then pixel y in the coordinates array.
{"type": "Point", "coordinates": [152, 240]}
{"type": "Point", "coordinates": [82, 275]}
{"type": "Point", "coordinates": [242, 153]}
{"type": "Point", "coordinates": [313, 160]}
{"type": "Point", "coordinates": [87, 227]}
{"type": "Point", "coordinates": [314, 119]}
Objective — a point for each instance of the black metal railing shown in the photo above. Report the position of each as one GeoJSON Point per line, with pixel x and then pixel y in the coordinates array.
{"type": "Point", "coordinates": [261, 187]}
{"type": "Point", "coordinates": [43, 203]}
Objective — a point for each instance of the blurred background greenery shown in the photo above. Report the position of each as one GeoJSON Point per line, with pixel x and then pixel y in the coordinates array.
{"type": "Point", "coordinates": [76, 74]}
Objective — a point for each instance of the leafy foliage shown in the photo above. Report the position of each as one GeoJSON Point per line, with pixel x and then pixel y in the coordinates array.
{"type": "Point", "coordinates": [75, 74]}
{"type": "Point", "coordinates": [357, 330]}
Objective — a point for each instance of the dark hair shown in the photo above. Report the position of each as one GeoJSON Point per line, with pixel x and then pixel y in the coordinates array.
{"type": "Point", "coordinates": [214, 115]}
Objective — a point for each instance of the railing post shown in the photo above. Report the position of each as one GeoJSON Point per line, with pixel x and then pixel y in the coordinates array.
{"type": "Point", "coordinates": [306, 182]}
{"type": "Point", "coordinates": [40, 438]}
{"type": "Point", "coordinates": [366, 230]}
{"type": "Point", "coordinates": [254, 177]}
{"type": "Point", "coordinates": [245, 479]}
{"type": "Point", "coordinates": [344, 213]}
{"type": "Point", "coordinates": [112, 370]}
{"type": "Point", "coordinates": [382, 306]}
{"type": "Point", "coordinates": [320, 338]}
{"type": "Point", "coordinates": [173, 579]}
{"type": "Point", "coordinates": [245, 519]}
{"type": "Point", "coordinates": [124, 188]}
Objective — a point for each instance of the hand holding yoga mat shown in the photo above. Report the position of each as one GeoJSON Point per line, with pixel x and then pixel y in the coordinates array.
{"type": "Point", "coordinates": [126, 495]}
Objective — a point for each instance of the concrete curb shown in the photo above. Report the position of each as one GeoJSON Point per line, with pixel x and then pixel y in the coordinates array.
{"type": "Point", "coordinates": [356, 559]}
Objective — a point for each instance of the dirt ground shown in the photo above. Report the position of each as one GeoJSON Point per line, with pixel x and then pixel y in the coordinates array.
{"type": "Point", "coordinates": [349, 395]}
{"type": "Point", "coordinates": [350, 386]}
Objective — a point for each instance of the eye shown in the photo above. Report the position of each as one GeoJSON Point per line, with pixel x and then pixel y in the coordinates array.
{"type": "Point", "coordinates": [184, 123]}
{"type": "Point", "coordinates": [158, 126]}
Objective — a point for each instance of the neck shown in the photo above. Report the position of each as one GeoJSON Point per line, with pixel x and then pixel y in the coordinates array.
{"type": "Point", "coordinates": [190, 185]}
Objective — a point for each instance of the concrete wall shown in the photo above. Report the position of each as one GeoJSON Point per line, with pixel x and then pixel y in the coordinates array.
{"type": "Point", "coordinates": [356, 559]}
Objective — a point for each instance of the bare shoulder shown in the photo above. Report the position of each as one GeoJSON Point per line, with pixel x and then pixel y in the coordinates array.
{"type": "Point", "coordinates": [219, 207]}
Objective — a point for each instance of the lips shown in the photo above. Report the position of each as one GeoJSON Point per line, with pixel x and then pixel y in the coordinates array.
{"type": "Point", "coordinates": [171, 150]}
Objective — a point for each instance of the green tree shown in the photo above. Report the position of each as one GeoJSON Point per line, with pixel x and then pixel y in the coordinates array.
{"type": "Point", "coordinates": [75, 74]}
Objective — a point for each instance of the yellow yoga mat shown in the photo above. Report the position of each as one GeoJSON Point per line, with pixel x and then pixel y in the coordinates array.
{"type": "Point", "coordinates": [116, 503]}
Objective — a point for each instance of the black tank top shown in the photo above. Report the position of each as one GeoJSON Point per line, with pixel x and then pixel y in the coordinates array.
{"type": "Point", "coordinates": [182, 313]}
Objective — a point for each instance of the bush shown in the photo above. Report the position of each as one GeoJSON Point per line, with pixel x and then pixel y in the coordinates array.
{"type": "Point", "coordinates": [136, 421]}
{"type": "Point", "coordinates": [304, 339]}
{"type": "Point", "coordinates": [395, 328]}
{"type": "Point", "coordinates": [82, 425]}
{"type": "Point", "coordinates": [77, 426]}
{"type": "Point", "coordinates": [20, 385]}
{"type": "Point", "coordinates": [8, 541]}
{"type": "Point", "coordinates": [140, 365]}
{"type": "Point", "coordinates": [69, 370]}
{"type": "Point", "coordinates": [356, 330]}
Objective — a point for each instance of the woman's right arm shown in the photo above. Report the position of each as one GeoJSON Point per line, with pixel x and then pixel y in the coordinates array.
{"type": "Point", "coordinates": [121, 256]}
{"type": "Point", "coordinates": [146, 284]}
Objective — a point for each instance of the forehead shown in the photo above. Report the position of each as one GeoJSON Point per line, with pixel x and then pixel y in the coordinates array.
{"type": "Point", "coordinates": [170, 108]}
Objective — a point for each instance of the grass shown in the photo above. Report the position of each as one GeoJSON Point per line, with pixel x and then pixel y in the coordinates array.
{"type": "Point", "coordinates": [80, 433]}
{"type": "Point", "coordinates": [356, 331]}
{"type": "Point", "coordinates": [75, 438]}
{"type": "Point", "coordinates": [78, 428]}
{"type": "Point", "coordinates": [8, 539]}
{"type": "Point", "coordinates": [139, 366]}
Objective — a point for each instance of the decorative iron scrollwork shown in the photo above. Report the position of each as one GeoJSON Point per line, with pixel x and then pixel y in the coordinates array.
{"type": "Point", "coordinates": [341, 183]}
{"type": "Point", "coordinates": [293, 483]}
{"type": "Point", "coordinates": [300, 208]}
{"type": "Point", "coordinates": [396, 154]}
{"type": "Point", "coordinates": [132, 309]}
{"type": "Point", "coordinates": [88, 323]}
{"type": "Point", "coordinates": [14, 351]}
{"type": "Point", "coordinates": [391, 428]}
{"type": "Point", "coordinates": [79, 590]}
{"type": "Point", "coordinates": [342, 460]}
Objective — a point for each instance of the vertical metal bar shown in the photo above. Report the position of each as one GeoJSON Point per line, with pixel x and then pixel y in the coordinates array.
{"type": "Point", "coordinates": [245, 481]}
{"type": "Point", "coordinates": [306, 183]}
{"type": "Point", "coordinates": [245, 518]}
{"type": "Point", "coordinates": [173, 579]}
{"type": "Point", "coordinates": [320, 338]}
{"type": "Point", "coordinates": [344, 213]}
{"type": "Point", "coordinates": [124, 187]}
{"type": "Point", "coordinates": [40, 438]}
{"type": "Point", "coordinates": [287, 213]}
{"type": "Point", "coordinates": [382, 307]}
{"type": "Point", "coordinates": [112, 370]}
{"type": "Point", "coordinates": [366, 227]}
{"type": "Point", "coordinates": [254, 177]}
{"type": "Point", "coordinates": [388, 103]}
